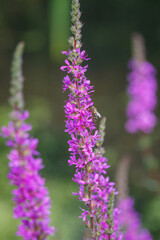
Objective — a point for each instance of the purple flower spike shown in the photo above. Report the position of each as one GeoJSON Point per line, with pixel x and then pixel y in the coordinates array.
{"type": "Point", "coordinates": [95, 189]}
{"type": "Point", "coordinates": [31, 197]}
{"type": "Point", "coordinates": [129, 220]}
{"type": "Point", "coordinates": [142, 92]}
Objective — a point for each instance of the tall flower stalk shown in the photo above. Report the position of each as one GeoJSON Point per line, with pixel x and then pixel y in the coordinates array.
{"type": "Point", "coordinates": [141, 90]}
{"type": "Point", "coordinates": [95, 189]}
{"type": "Point", "coordinates": [129, 219]}
{"type": "Point", "coordinates": [141, 118]}
{"type": "Point", "coordinates": [31, 197]}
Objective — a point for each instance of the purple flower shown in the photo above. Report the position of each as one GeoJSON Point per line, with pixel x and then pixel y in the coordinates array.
{"type": "Point", "coordinates": [91, 167]}
{"type": "Point", "coordinates": [129, 221]}
{"type": "Point", "coordinates": [32, 202]}
{"type": "Point", "coordinates": [31, 197]}
{"type": "Point", "coordinates": [142, 93]}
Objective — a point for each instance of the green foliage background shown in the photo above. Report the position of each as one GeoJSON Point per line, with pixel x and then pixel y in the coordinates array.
{"type": "Point", "coordinates": [44, 26]}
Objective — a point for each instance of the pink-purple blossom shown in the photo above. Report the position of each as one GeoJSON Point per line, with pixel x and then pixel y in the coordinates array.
{"type": "Point", "coordinates": [130, 222]}
{"type": "Point", "coordinates": [91, 167]}
{"type": "Point", "coordinates": [142, 97]}
{"type": "Point", "coordinates": [31, 198]}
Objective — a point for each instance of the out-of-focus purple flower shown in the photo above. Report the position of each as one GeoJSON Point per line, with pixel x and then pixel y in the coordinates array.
{"type": "Point", "coordinates": [142, 93]}
{"type": "Point", "coordinates": [94, 186]}
{"type": "Point", "coordinates": [130, 223]}
{"type": "Point", "coordinates": [31, 197]}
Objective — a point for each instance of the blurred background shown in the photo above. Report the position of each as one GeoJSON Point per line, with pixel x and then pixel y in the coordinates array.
{"type": "Point", "coordinates": [44, 27]}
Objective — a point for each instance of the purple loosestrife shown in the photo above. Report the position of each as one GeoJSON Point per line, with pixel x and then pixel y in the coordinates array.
{"type": "Point", "coordinates": [31, 197]}
{"type": "Point", "coordinates": [95, 189]}
{"type": "Point", "coordinates": [129, 221]}
{"type": "Point", "coordinates": [141, 90]}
